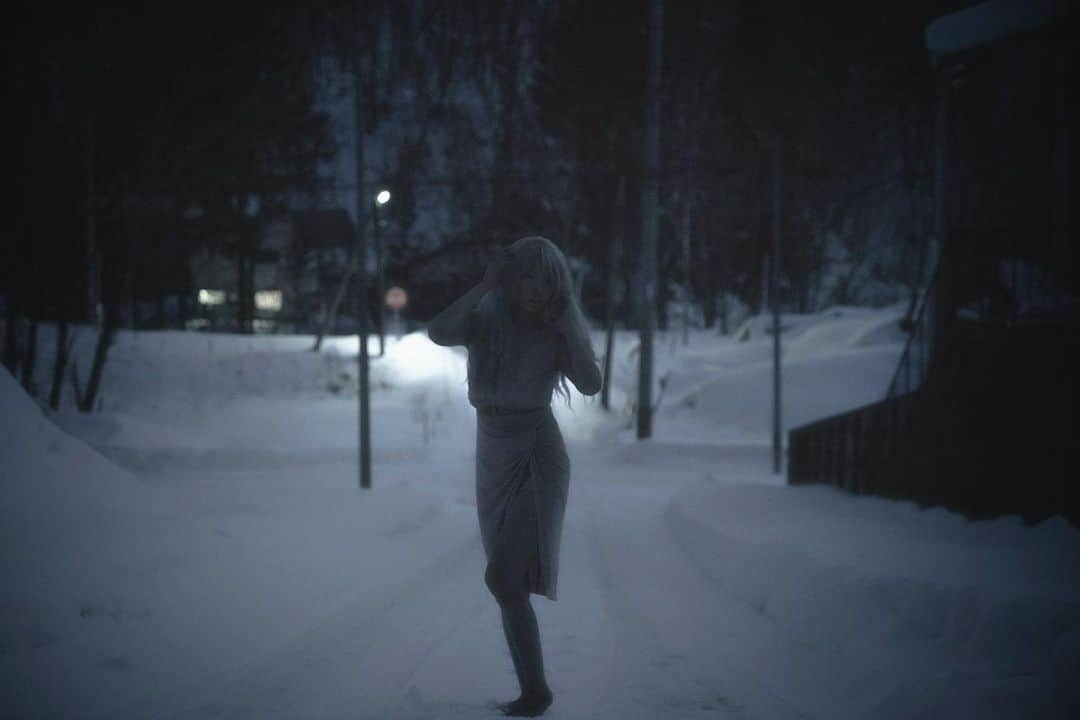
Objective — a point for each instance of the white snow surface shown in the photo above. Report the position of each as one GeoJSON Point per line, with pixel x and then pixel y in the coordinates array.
{"type": "Point", "coordinates": [200, 548]}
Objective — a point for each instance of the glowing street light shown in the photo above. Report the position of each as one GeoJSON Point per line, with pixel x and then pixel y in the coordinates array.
{"type": "Point", "coordinates": [381, 199]}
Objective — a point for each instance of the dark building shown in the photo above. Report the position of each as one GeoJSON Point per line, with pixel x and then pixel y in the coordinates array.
{"type": "Point", "coordinates": [980, 413]}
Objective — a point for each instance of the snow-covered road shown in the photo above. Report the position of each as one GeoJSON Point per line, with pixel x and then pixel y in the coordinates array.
{"type": "Point", "coordinates": [204, 552]}
{"type": "Point", "coordinates": [638, 631]}
{"type": "Point", "coordinates": [644, 627]}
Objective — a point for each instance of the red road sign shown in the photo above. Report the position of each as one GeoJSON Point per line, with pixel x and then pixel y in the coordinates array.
{"type": "Point", "coordinates": [396, 298]}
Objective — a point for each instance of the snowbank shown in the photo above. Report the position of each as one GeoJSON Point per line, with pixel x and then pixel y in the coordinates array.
{"type": "Point", "coordinates": [992, 607]}
{"type": "Point", "coordinates": [118, 593]}
{"type": "Point", "coordinates": [44, 467]}
{"type": "Point", "coordinates": [721, 388]}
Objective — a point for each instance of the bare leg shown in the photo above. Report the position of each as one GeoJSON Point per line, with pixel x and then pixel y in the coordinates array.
{"type": "Point", "coordinates": [506, 578]}
{"type": "Point", "coordinates": [536, 696]}
{"type": "Point", "coordinates": [515, 653]}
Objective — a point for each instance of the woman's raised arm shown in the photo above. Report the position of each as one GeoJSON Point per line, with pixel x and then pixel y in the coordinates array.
{"type": "Point", "coordinates": [451, 326]}
{"type": "Point", "coordinates": [582, 367]}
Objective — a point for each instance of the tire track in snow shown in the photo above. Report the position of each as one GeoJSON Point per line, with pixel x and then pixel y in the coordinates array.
{"type": "Point", "coordinates": [577, 632]}
{"type": "Point", "coordinates": [847, 660]}
{"type": "Point", "coordinates": [632, 683]}
{"type": "Point", "coordinates": [356, 661]}
{"type": "Point", "coordinates": [577, 639]}
{"type": "Point", "coordinates": [682, 653]}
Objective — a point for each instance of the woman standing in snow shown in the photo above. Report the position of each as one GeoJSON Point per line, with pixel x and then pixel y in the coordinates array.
{"type": "Point", "coordinates": [525, 333]}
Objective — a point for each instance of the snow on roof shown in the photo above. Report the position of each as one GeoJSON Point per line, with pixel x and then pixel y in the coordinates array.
{"type": "Point", "coordinates": [984, 23]}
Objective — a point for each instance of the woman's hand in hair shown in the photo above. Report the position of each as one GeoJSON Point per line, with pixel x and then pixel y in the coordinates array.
{"type": "Point", "coordinates": [497, 268]}
{"type": "Point", "coordinates": [579, 361]}
{"type": "Point", "coordinates": [560, 317]}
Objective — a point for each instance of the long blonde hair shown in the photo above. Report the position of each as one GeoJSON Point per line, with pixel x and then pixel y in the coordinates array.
{"type": "Point", "coordinates": [553, 265]}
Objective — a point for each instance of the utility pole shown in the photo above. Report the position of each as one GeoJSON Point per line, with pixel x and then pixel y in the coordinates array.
{"type": "Point", "coordinates": [766, 280]}
{"type": "Point", "coordinates": [775, 293]}
{"type": "Point", "coordinates": [381, 199]}
{"type": "Point", "coordinates": [686, 267]}
{"type": "Point", "coordinates": [362, 385]}
{"type": "Point", "coordinates": [379, 289]}
{"type": "Point", "coordinates": [649, 201]}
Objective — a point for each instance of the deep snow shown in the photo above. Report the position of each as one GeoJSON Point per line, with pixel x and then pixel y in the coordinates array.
{"type": "Point", "coordinates": [200, 548]}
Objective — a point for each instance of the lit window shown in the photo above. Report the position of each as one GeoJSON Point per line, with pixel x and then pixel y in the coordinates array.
{"type": "Point", "coordinates": [268, 300]}
{"type": "Point", "coordinates": [211, 297]}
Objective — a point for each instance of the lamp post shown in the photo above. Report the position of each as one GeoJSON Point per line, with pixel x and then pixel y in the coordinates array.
{"type": "Point", "coordinates": [362, 385]}
{"type": "Point", "coordinates": [381, 199]}
{"type": "Point", "coordinates": [774, 278]}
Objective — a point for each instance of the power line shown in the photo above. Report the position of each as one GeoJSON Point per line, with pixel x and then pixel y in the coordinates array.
{"type": "Point", "coordinates": [559, 176]}
{"type": "Point", "coordinates": [675, 174]}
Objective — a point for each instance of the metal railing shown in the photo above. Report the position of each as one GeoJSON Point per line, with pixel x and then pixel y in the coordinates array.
{"type": "Point", "coordinates": [969, 316]}
{"type": "Point", "coordinates": [855, 450]}
{"type": "Point", "coordinates": [914, 365]}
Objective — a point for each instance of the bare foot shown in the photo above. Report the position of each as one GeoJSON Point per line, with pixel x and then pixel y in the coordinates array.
{"type": "Point", "coordinates": [528, 705]}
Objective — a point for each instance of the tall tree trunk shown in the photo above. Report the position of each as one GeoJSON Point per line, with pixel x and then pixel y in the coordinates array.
{"type": "Point", "coordinates": [30, 356]}
{"type": "Point", "coordinates": [129, 236]}
{"type": "Point", "coordinates": [1064, 124]}
{"type": "Point", "coordinates": [245, 279]}
{"type": "Point", "coordinates": [507, 70]}
{"type": "Point", "coordinates": [765, 280]}
{"type": "Point", "coordinates": [331, 316]}
{"type": "Point", "coordinates": [649, 201]}
{"type": "Point", "coordinates": [249, 299]}
{"type": "Point", "coordinates": [239, 282]}
{"type": "Point", "coordinates": [182, 310]}
{"type": "Point", "coordinates": [663, 289]}
{"type": "Point", "coordinates": [59, 362]}
{"type": "Point", "coordinates": [617, 226]}
{"type": "Point", "coordinates": [249, 292]}
{"type": "Point", "coordinates": [686, 267]}
{"type": "Point", "coordinates": [244, 306]}
{"type": "Point", "coordinates": [778, 441]}
{"type": "Point", "coordinates": [11, 332]}
{"type": "Point", "coordinates": [709, 261]}
{"type": "Point", "coordinates": [371, 107]}
{"type": "Point", "coordinates": [105, 338]}
{"type": "Point", "coordinates": [93, 251]}
{"type": "Point", "coordinates": [723, 283]}
{"type": "Point", "coordinates": [708, 302]}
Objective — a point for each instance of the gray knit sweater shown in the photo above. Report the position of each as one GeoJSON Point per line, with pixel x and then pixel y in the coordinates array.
{"type": "Point", "coordinates": [511, 366]}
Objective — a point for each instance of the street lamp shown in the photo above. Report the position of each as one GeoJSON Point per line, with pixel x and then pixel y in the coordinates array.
{"type": "Point", "coordinates": [381, 198]}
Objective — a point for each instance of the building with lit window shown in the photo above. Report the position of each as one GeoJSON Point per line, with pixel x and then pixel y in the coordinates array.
{"type": "Point", "coordinates": [299, 265]}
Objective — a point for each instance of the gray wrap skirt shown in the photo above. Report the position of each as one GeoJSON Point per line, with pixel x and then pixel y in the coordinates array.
{"type": "Point", "coordinates": [521, 458]}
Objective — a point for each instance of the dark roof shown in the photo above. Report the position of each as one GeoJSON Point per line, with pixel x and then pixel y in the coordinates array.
{"type": "Point", "coordinates": [984, 23]}
{"type": "Point", "coordinates": [319, 229]}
